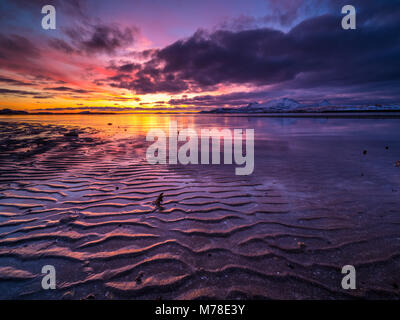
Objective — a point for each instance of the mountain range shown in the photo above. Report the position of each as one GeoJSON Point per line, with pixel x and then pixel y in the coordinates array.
{"type": "Point", "coordinates": [289, 105]}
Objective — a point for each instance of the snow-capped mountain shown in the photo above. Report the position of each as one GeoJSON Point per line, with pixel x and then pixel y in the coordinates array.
{"type": "Point", "coordinates": [317, 106]}
{"type": "Point", "coordinates": [289, 105]}
{"type": "Point", "coordinates": [325, 103]}
{"type": "Point", "coordinates": [281, 105]}
{"type": "Point", "coordinates": [278, 105]}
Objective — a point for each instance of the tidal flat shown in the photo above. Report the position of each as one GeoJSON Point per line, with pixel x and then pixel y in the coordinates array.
{"type": "Point", "coordinates": [76, 192]}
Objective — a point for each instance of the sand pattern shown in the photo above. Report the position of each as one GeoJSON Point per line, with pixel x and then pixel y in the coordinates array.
{"type": "Point", "coordinates": [87, 206]}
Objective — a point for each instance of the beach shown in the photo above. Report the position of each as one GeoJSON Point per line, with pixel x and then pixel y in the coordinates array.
{"type": "Point", "coordinates": [76, 192]}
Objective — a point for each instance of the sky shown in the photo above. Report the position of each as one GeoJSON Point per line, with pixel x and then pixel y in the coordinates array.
{"type": "Point", "coordinates": [186, 55]}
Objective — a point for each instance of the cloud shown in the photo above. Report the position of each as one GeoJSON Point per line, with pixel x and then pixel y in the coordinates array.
{"type": "Point", "coordinates": [112, 109]}
{"type": "Point", "coordinates": [316, 53]}
{"type": "Point", "coordinates": [14, 47]}
{"type": "Point", "coordinates": [74, 8]}
{"type": "Point", "coordinates": [17, 92]}
{"type": "Point", "coordinates": [119, 98]}
{"type": "Point", "coordinates": [48, 96]}
{"type": "Point", "coordinates": [61, 45]}
{"type": "Point", "coordinates": [92, 39]}
{"type": "Point", "coordinates": [67, 89]}
{"type": "Point", "coordinates": [14, 82]}
{"type": "Point", "coordinates": [297, 49]}
{"type": "Point", "coordinates": [223, 100]}
{"type": "Point", "coordinates": [143, 55]}
{"type": "Point", "coordinates": [126, 67]}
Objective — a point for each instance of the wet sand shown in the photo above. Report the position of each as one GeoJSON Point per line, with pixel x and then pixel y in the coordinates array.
{"type": "Point", "coordinates": [83, 201]}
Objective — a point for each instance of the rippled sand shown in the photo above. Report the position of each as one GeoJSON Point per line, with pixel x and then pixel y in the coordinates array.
{"type": "Point", "coordinates": [84, 202]}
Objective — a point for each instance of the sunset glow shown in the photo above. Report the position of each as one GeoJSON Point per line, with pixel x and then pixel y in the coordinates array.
{"type": "Point", "coordinates": [141, 56]}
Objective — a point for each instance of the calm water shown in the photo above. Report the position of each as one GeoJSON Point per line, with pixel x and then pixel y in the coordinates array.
{"type": "Point", "coordinates": [314, 203]}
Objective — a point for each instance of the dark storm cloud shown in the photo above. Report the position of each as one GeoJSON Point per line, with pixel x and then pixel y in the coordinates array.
{"type": "Point", "coordinates": [145, 84]}
{"type": "Point", "coordinates": [224, 100]}
{"type": "Point", "coordinates": [315, 53]}
{"type": "Point", "coordinates": [129, 67]}
{"type": "Point", "coordinates": [125, 67]}
{"type": "Point", "coordinates": [144, 54]}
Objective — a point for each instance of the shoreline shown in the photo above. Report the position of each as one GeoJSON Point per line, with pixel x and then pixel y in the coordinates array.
{"type": "Point", "coordinates": [326, 114]}
{"type": "Point", "coordinates": [89, 208]}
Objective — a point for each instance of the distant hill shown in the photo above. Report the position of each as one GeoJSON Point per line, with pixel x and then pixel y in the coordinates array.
{"type": "Point", "coordinates": [286, 105]}
{"type": "Point", "coordinates": [9, 111]}
{"type": "Point", "coordinates": [280, 105]}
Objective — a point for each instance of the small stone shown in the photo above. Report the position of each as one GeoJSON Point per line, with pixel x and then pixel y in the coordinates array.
{"type": "Point", "coordinates": [139, 277]}
{"type": "Point", "coordinates": [88, 270]}
{"type": "Point", "coordinates": [68, 295]}
{"type": "Point", "coordinates": [301, 245]}
{"type": "Point", "coordinates": [90, 296]}
{"type": "Point", "coordinates": [159, 200]}
{"type": "Point", "coordinates": [68, 219]}
{"type": "Point", "coordinates": [71, 134]}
